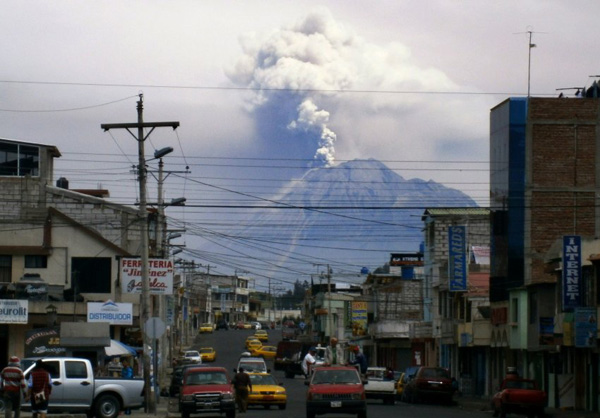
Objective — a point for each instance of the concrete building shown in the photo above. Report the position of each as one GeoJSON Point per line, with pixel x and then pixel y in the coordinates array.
{"type": "Point", "coordinates": [59, 248]}
{"type": "Point", "coordinates": [545, 183]}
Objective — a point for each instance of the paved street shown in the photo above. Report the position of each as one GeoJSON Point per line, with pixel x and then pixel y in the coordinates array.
{"type": "Point", "coordinates": [229, 346]}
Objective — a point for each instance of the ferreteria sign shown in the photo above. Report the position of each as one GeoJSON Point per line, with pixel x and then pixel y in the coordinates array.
{"type": "Point", "coordinates": [160, 274]}
{"type": "Point", "coordinates": [111, 312]}
{"type": "Point", "coordinates": [571, 272]}
{"type": "Point", "coordinates": [13, 311]}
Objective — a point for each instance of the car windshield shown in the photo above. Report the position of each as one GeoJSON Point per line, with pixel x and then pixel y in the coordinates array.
{"type": "Point", "coordinates": [191, 354]}
{"type": "Point", "coordinates": [206, 378]}
{"type": "Point", "coordinates": [262, 379]}
{"type": "Point", "coordinates": [377, 374]}
{"type": "Point", "coordinates": [253, 366]}
{"type": "Point", "coordinates": [206, 350]}
{"type": "Point", "coordinates": [335, 377]}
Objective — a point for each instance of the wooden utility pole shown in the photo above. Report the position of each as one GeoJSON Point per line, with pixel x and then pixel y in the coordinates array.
{"type": "Point", "coordinates": [143, 228]}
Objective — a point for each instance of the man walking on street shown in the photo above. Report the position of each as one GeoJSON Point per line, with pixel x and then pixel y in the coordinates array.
{"type": "Point", "coordinates": [13, 386]}
{"type": "Point", "coordinates": [243, 386]}
{"type": "Point", "coordinates": [39, 390]}
{"type": "Point", "coordinates": [308, 361]}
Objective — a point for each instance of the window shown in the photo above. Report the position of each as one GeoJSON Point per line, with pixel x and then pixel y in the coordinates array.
{"type": "Point", "coordinates": [5, 268]}
{"type": "Point", "coordinates": [514, 311]}
{"type": "Point", "coordinates": [19, 160]}
{"type": "Point", "coordinates": [53, 367]}
{"type": "Point", "coordinates": [91, 275]}
{"type": "Point", "coordinates": [76, 370]}
{"type": "Point", "coordinates": [533, 308]}
{"type": "Point", "coordinates": [36, 261]}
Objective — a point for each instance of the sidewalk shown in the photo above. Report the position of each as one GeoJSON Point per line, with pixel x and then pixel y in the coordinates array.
{"type": "Point", "coordinates": [483, 404]}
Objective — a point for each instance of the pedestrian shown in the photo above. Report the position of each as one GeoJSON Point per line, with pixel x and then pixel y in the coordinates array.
{"type": "Point", "coordinates": [334, 354]}
{"type": "Point", "coordinates": [308, 361]}
{"type": "Point", "coordinates": [13, 387]}
{"type": "Point", "coordinates": [242, 385]}
{"type": "Point", "coordinates": [39, 390]}
{"type": "Point", "coordinates": [389, 374]}
{"type": "Point", "coordinates": [127, 373]}
{"type": "Point", "coordinates": [360, 360]}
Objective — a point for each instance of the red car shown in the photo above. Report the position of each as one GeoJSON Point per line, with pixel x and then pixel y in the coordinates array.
{"type": "Point", "coordinates": [519, 396]}
{"type": "Point", "coordinates": [429, 382]}
{"type": "Point", "coordinates": [206, 390]}
{"type": "Point", "coordinates": [337, 390]}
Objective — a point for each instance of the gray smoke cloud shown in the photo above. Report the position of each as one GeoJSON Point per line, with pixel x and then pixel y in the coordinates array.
{"type": "Point", "coordinates": [301, 70]}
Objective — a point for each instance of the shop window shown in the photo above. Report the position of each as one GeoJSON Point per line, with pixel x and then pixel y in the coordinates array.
{"type": "Point", "coordinates": [91, 274]}
{"type": "Point", "coordinates": [5, 268]}
{"type": "Point", "coordinates": [36, 261]}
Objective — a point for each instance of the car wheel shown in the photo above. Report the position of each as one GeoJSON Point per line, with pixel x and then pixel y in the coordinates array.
{"type": "Point", "coordinates": [289, 375]}
{"type": "Point", "coordinates": [310, 414]}
{"type": "Point", "coordinates": [282, 406]}
{"type": "Point", "coordinates": [362, 414]}
{"type": "Point", "coordinates": [185, 414]}
{"type": "Point", "coordinates": [230, 414]}
{"type": "Point", "coordinates": [502, 412]}
{"type": "Point", "coordinates": [107, 406]}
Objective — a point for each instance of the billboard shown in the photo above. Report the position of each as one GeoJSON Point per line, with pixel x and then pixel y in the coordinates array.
{"type": "Point", "coordinates": [457, 258]}
{"type": "Point", "coordinates": [571, 273]}
{"type": "Point", "coordinates": [160, 274]}
{"type": "Point", "coordinates": [359, 318]}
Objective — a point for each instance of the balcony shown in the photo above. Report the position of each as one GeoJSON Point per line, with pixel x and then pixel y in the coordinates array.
{"type": "Point", "coordinates": [389, 329]}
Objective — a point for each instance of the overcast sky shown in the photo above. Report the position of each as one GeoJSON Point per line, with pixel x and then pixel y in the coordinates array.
{"type": "Point", "coordinates": [299, 83]}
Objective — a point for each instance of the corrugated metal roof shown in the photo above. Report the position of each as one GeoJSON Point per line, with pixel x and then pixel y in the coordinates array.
{"type": "Point", "coordinates": [456, 212]}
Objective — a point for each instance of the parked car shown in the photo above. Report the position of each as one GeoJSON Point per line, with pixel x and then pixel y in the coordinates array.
{"type": "Point", "coordinates": [74, 388]}
{"type": "Point", "coordinates": [429, 382]}
{"type": "Point", "coordinates": [336, 389]}
{"type": "Point", "coordinates": [208, 354]}
{"type": "Point", "coordinates": [519, 396]}
{"type": "Point", "coordinates": [380, 387]}
{"type": "Point", "coordinates": [222, 324]}
{"type": "Point", "coordinates": [266, 391]}
{"type": "Point", "coordinates": [206, 390]}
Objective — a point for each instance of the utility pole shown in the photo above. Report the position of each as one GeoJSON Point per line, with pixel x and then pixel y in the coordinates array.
{"type": "Point", "coordinates": [329, 312]}
{"type": "Point", "coordinates": [143, 228]}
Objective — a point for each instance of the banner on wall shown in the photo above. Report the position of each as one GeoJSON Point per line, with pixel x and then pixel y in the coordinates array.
{"type": "Point", "coordinates": [359, 318]}
{"type": "Point", "coordinates": [13, 311]}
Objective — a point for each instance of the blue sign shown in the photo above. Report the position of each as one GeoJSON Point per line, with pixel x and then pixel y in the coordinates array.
{"type": "Point", "coordinates": [586, 327]}
{"type": "Point", "coordinates": [572, 286]}
{"type": "Point", "coordinates": [457, 262]}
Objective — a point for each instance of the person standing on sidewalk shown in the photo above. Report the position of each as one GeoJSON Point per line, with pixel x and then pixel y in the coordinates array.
{"type": "Point", "coordinates": [243, 386]}
{"type": "Point", "coordinates": [13, 387]}
{"type": "Point", "coordinates": [127, 373]}
{"type": "Point", "coordinates": [39, 389]}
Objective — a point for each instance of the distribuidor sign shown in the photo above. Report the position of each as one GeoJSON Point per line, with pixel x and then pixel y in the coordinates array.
{"type": "Point", "coordinates": [160, 275]}
{"type": "Point", "coordinates": [111, 312]}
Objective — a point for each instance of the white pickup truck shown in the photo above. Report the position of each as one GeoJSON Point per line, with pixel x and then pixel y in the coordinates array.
{"type": "Point", "coordinates": [380, 387]}
{"type": "Point", "coordinates": [74, 388]}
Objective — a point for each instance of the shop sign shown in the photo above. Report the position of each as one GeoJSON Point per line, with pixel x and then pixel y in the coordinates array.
{"type": "Point", "coordinates": [571, 273]}
{"type": "Point", "coordinates": [13, 311]}
{"type": "Point", "coordinates": [457, 263]}
{"type": "Point", "coordinates": [111, 312]}
{"type": "Point", "coordinates": [160, 275]}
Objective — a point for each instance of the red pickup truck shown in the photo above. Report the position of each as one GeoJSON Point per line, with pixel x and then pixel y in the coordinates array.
{"type": "Point", "coordinates": [520, 396]}
{"type": "Point", "coordinates": [206, 390]}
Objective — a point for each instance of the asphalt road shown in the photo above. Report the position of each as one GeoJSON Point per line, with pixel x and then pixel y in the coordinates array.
{"type": "Point", "coordinates": [230, 344]}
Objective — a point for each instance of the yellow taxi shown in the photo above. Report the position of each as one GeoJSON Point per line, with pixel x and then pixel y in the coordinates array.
{"type": "Point", "coordinates": [266, 391]}
{"type": "Point", "coordinates": [261, 335]}
{"type": "Point", "coordinates": [252, 342]}
{"type": "Point", "coordinates": [208, 354]}
{"type": "Point", "coordinates": [205, 328]}
{"type": "Point", "coordinates": [265, 351]}
{"type": "Point", "coordinates": [400, 385]}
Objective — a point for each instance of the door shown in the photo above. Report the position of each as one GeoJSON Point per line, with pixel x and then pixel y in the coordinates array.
{"type": "Point", "coordinates": [79, 383]}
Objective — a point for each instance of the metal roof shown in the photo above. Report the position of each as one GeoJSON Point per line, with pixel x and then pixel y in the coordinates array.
{"type": "Point", "coordinates": [456, 212]}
